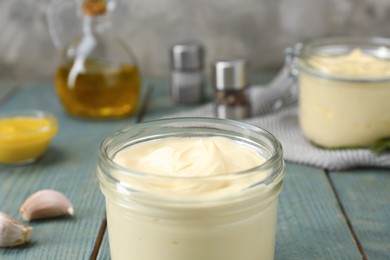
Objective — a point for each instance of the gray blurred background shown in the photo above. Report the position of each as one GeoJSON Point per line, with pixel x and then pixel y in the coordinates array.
{"type": "Point", "coordinates": [255, 29]}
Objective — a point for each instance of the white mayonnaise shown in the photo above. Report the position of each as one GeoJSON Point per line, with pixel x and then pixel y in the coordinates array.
{"type": "Point", "coordinates": [219, 220]}
{"type": "Point", "coordinates": [351, 107]}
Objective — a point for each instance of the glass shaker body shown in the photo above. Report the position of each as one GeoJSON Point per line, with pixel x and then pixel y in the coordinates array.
{"type": "Point", "coordinates": [232, 104]}
{"type": "Point", "coordinates": [187, 77]}
{"type": "Point", "coordinates": [187, 86]}
{"type": "Point", "coordinates": [231, 86]}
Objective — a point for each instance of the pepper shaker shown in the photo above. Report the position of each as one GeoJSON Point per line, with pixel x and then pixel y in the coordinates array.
{"type": "Point", "coordinates": [187, 77]}
{"type": "Point", "coordinates": [231, 83]}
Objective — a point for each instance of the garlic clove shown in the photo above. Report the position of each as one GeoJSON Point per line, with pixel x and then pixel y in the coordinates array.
{"type": "Point", "coordinates": [12, 232]}
{"type": "Point", "coordinates": [46, 204]}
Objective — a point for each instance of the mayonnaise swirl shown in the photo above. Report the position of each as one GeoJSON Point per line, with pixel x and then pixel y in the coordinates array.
{"type": "Point", "coordinates": [187, 158]}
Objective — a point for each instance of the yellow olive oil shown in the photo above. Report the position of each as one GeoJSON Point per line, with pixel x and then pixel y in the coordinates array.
{"type": "Point", "coordinates": [100, 93]}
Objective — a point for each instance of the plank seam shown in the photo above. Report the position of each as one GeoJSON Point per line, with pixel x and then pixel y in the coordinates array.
{"type": "Point", "coordinates": [99, 239]}
{"type": "Point", "coordinates": [145, 104]}
{"type": "Point", "coordinates": [349, 222]}
{"type": "Point", "coordinates": [10, 93]}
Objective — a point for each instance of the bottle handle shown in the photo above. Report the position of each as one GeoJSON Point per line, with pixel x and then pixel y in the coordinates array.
{"type": "Point", "coordinates": [53, 13]}
{"type": "Point", "coordinates": [287, 78]}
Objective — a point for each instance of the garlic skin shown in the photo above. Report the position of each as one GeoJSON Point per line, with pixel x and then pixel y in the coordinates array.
{"type": "Point", "coordinates": [12, 232]}
{"type": "Point", "coordinates": [46, 204]}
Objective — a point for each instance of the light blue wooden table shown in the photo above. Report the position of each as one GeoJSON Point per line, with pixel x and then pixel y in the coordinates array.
{"type": "Point", "coordinates": [322, 214]}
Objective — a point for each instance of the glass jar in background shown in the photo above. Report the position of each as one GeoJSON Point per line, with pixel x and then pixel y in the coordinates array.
{"type": "Point", "coordinates": [98, 76]}
{"type": "Point", "coordinates": [233, 217]}
{"type": "Point", "coordinates": [344, 91]}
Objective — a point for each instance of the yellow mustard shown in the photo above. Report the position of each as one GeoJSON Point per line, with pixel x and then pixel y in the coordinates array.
{"type": "Point", "coordinates": [24, 139]}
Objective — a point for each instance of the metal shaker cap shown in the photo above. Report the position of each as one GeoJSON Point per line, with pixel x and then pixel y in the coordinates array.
{"type": "Point", "coordinates": [187, 56]}
{"type": "Point", "coordinates": [231, 74]}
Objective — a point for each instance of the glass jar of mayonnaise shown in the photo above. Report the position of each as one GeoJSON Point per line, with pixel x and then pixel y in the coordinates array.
{"type": "Point", "coordinates": [344, 91]}
{"type": "Point", "coordinates": [191, 188]}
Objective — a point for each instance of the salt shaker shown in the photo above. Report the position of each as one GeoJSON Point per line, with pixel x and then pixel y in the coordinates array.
{"type": "Point", "coordinates": [187, 77]}
{"type": "Point", "coordinates": [231, 83]}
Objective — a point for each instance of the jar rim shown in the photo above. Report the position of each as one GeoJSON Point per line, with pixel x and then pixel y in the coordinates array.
{"type": "Point", "coordinates": [375, 44]}
{"type": "Point", "coordinates": [276, 155]}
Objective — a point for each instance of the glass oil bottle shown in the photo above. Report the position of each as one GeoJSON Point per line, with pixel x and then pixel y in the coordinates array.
{"type": "Point", "coordinates": [98, 76]}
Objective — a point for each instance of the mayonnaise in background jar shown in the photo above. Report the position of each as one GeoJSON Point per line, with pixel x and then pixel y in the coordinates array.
{"type": "Point", "coordinates": [344, 91]}
{"type": "Point", "coordinates": [214, 196]}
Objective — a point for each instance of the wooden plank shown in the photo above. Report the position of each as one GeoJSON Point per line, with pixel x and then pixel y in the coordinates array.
{"type": "Point", "coordinates": [310, 224]}
{"type": "Point", "coordinates": [365, 196]}
{"type": "Point", "coordinates": [70, 167]}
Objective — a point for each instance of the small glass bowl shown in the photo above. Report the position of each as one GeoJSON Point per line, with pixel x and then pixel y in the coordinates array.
{"type": "Point", "coordinates": [25, 135]}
